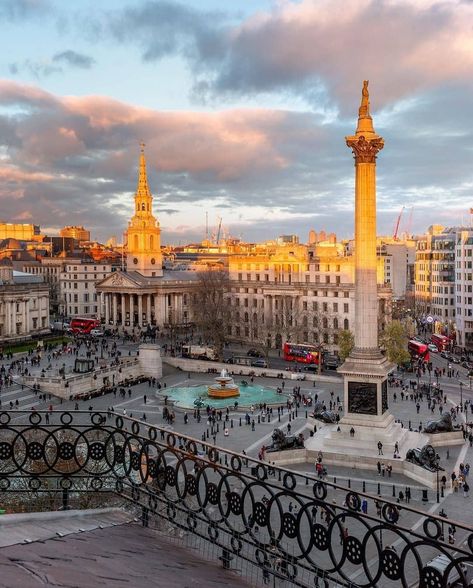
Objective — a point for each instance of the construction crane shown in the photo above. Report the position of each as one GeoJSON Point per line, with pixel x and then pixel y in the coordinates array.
{"type": "Point", "coordinates": [218, 231]}
{"type": "Point", "coordinates": [396, 229]}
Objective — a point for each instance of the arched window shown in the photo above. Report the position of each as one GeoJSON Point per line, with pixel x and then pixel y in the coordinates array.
{"type": "Point", "coordinates": [346, 324]}
{"type": "Point", "coordinates": [143, 206]}
{"type": "Point", "coordinates": [136, 242]}
{"type": "Point", "coordinates": [335, 323]}
{"type": "Point", "coordinates": [151, 242]}
{"type": "Point", "coordinates": [237, 316]}
{"type": "Point", "coordinates": [246, 317]}
{"type": "Point", "coordinates": [255, 318]}
{"type": "Point", "coordinates": [304, 321]}
{"type": "Point", "coordinates": [315, 322]}
{"type": "Point", "coordinates": [324, 323]}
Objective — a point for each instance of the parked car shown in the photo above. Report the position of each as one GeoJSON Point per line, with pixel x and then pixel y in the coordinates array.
{"type": "Point", "coordinates": [454, 359]}
{"type": "Point", "coordinates": [255, 353]}
{"type": "Point", "coordinates": [261, 363]}
{"type": "Point", "coordinates": [467, 365]}
{"type": "Point", "coordinates": [432, 348]}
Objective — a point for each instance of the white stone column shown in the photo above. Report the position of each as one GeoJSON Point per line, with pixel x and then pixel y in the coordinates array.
{"type": "Point", "coordinates": [140, 310]}
{"type": "Point", "coordinates": [123, 309]}
{"type": "Point", "coordinates": [7, 317]}
{"type": "Point", "coordinates": [131, 298]}
{"type": "Point", "coordinates": [115, 309]}
{"type": "Point", "coordinates": [107, 308]}
{"type": "Point", "coordinates": [26, 322]}
{"type": "Point", "coordinates": [148, 309]}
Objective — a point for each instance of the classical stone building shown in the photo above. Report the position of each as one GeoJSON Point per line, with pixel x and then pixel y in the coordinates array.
{"type": "Point", "coordinates": [145, 294]}
{"type": "Point", "coordinates": [292, 293]}
{"type": "Point", "coordinates": [24, 304]}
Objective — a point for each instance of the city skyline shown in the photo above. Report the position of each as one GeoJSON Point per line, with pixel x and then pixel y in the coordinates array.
{"type": "Point", "coordinates": [243, 112]}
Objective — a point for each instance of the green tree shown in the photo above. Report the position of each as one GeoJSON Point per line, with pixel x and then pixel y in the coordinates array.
{"type": "Point", "coordinates": [346, 342]}
{"type": "Point", "coordinates": [394, 340]}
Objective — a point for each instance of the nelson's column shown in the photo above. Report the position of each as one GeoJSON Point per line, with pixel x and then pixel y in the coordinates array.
{"type": "Point", "coordinates": [365, 370]}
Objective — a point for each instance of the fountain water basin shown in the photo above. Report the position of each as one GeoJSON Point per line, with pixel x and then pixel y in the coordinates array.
{"type": "Point", "coordinates": [225, 387]}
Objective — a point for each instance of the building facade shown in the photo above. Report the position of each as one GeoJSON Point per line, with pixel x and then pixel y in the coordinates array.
{"type": "Point", "coordinates": [24, 305]}
{"type": "Point", "coordinates": [77, 233]}
{"type": "Point", "coordinates": [435, 278]}
{"type": "Point", "coordinates": [464, 287]}
{"type": "Point", "coordinates": [77, 281]}
{"type": "Point", "coordinates": [293, 294]}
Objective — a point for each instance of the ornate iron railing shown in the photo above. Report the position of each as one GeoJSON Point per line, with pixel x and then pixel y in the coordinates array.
{"type": "Point", "coordinates": [288, 525]}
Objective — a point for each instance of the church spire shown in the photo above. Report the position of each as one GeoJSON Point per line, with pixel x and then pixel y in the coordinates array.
{"type": "Point", "coordinates": [142, 190]}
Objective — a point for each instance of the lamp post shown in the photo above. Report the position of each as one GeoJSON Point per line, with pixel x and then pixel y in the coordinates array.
{"type": "Point", "coordinates": [437, 463]}
{"type": "Point", "coordinates": [461, 395]}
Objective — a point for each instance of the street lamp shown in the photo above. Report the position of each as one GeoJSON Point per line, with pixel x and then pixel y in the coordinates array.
{"type": "Point", "coordinates": [437, 463]}
{"type": "Point", "coordinates": [461, 395]}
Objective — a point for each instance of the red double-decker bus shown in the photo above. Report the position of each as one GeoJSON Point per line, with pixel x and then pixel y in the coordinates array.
{"type": "Point", "coordinates": [418, 350]}
{"type": "Point", "coordinates": [301, 352]}
{"type": "Point", "coordinates": [441, 341]}
{"type": "Point", "coordinates": [83, 326]}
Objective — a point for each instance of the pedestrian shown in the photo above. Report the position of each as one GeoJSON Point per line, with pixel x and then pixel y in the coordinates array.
{"type": "Point", "coordinates": [380, 448]}
{"type": "Point", "coordinates": [466, 489]}
{"type": "Point", "coordinates": [379, 468]}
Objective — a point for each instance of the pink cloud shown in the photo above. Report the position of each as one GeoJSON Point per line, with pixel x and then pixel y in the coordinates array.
{"type": "Point", "coordinates": [223, 144]}
{"type": "Point", "coordinates": [402, 46]}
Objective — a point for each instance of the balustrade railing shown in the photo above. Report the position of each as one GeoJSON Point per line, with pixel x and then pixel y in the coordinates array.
{"type": "Point", "coordinates": [290, 526]}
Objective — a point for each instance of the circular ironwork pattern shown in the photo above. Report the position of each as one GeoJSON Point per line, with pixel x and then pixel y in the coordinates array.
{"type": "Point", "coordinates": [35, 450]}
{"type": "Point", "coordinates": [391, 564]}
{"type": "Point", "coordinates": [354, 550]}
{"type": "Point", "coordinates": [66, 451]}
{"type": "Point", "coordinates": [289, 525]}
{"type": "Point", "coordinates": [320, 537]}
{"type": "Point", "coordinates": [97, 451]}
{"type": "Point", "coordinates": [261, 514]}
{"type": "Point", "coordinates": [225, 503]}
{"type": "Point", "coordinates": [6, 451]}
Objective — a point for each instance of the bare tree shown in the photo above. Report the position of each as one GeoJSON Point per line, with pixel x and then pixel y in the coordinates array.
{"type": "Point", "coordinates": [210, 307]}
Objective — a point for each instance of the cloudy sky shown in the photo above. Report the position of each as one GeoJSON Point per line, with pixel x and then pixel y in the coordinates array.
{"type": "Point", "coordinates": [243, 106]}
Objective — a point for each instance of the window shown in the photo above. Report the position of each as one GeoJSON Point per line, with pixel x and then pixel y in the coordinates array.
{"type": "Point", "coordinates": [346, 325]}
{"type": "Point", "coordinates": [304, 305]}
{"type": "Point", "coordinates": [345, 307]}
{"type": "Point", "coordinates": [335, 307]}
{"type": "Point", "coordinates": [335, 323]}
{"type": "Point", "coordinates": [325, 306]}
{"type": "Point", "coordinates": [325, 323]}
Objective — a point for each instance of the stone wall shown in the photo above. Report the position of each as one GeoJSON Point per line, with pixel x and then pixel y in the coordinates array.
{"type": "Point", "coordinates": [196, 365]}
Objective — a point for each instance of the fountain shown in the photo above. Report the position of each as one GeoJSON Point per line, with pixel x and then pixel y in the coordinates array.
{"type": "Point", "coordinates": [225, 387]}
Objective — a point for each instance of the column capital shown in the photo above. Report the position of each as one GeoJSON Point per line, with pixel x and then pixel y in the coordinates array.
{"type": "Point", "coordinates": [365, 150]}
